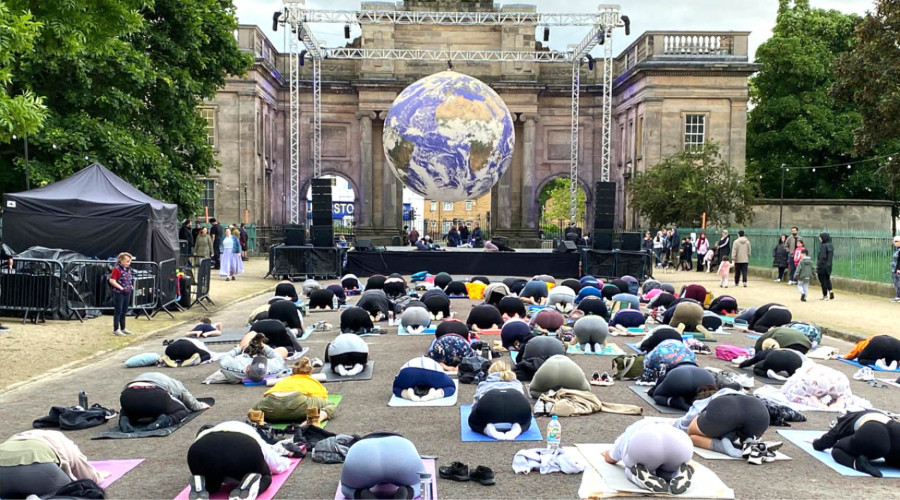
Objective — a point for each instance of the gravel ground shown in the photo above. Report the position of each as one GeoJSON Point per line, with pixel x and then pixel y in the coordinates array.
{"type": "Point", "coordinates": [435, 431]}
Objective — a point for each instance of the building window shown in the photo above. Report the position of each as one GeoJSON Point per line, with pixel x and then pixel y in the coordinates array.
{"type": "Point", "coordinates": [208, 197]}
{"type": "Point", "coordinates": [447, 225]}
{"type": "Point", "coordinates": [469, 206]}
{"type": "Point", "coordinates": [448, 205]}
{"type": "Point", "coordinates": [639, 139]}
{"type": "Point", "coordinates": [694, 131]}
{"type": "Point", "coordinates": [434, 206]}
{"type": "Point", "coordinates": [209, 114]}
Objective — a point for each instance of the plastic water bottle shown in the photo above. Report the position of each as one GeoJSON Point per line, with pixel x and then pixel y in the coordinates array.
{"type": "Point", "coordinates": [83, 400]}
{"type": "Point", "coordinates": [334, 303]}
{"type": "Point", "coordinates": [425, 486]}
{"type": "Point", "coordinates": [554, 433]}
{"type": "Point", "coordinates": [390, 318]}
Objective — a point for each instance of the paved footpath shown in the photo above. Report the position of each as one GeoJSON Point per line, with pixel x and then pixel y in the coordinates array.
{"type": "Point", "coordinates": [435, 431]}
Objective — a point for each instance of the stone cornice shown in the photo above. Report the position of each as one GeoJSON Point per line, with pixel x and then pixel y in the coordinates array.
{"type": "Point", "coordinates": [366, 114]}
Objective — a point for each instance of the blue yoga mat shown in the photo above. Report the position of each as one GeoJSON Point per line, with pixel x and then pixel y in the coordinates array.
{"type": "Point", "coordinates": [873, 367]}
{"type": "Point", "coordinates": [800, 438]}
{"type": "Point", "coordinates": [754, 336]}
{"type": "Point", "coordinates": [427, 331]}
{"type": "Point", "coordinates": [635, 346]}
{"type": "Point", "coordinates": [468, 435]}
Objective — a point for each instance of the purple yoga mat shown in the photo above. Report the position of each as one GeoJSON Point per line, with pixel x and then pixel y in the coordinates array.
{"type": "Point", "coordinates": [115, 468]}
{"type": "Point", "coordinates": [278, 481]}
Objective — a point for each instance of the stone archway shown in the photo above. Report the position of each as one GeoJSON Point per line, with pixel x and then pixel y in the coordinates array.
{"type": "Point", "coordinates": [346, 226]}
{"type": "Point", "coordinates": [585, 224]}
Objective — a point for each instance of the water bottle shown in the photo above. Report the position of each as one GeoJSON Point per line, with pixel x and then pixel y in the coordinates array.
{"type": "Point", "coordinates": [425, 486]}
{"type": "Point", "coordinates": [83, 400]}
{"type": "Point", "coordinates": [334, 303]}
{"type": "Point", "coordinates": [390, 318]}
{"type": "Point", "coordinates": [554, 433]}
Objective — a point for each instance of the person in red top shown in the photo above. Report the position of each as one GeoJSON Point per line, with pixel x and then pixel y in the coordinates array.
{"type": "Point", "coordinates": [122, 281]}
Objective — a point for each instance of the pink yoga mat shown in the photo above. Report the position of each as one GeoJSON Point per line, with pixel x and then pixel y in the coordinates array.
{"type": "Point", "coordinates": [115, 468]}
{"type": "Point", "coordinates": [429, 467]}
{"type": "Point", "coordinates": [277, 482]}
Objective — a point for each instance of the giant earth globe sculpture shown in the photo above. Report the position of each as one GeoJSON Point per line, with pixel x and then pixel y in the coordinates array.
{"type": "Point", "coordinates": [449, 137]}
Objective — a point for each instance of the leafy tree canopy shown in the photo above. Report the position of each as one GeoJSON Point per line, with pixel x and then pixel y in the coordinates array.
{"type": "Point", "coordinates": [21, 113]}
{"type": "Point", "coordinates": [555, 197]}
{"type": "Point", "coordinates": [683, 187]}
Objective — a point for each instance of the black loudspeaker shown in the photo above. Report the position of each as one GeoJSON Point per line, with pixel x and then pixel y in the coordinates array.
{"type": "Point", "coordinates": [602, 240]}
{"type": "Point", "coordinates": [604, 206]}
{"type": "Point", "coordinates": [295, 236]}
{"type": "Point", "coordinates": [631, 242]}
{"type": "Point", "coordinates": [321, 219]}
{"type": "Point", "coordinates": [500, 240]}
{"type": "Point", "coordinates": [364, 246]}
{"type": "Point", "coordinates": [322, 236]}
{"type": "Point", "coordinates": [566, 246]}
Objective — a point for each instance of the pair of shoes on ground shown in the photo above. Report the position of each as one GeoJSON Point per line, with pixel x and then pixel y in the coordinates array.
{"type": "Point", "coordinates": [881, 363]}
{"type": "Point", "coordinates": [458, 471]}
{"type": "Point", "coordinates": [830, 296]}
{"type": "Point", "coordinates": [680, 482]}
{"type": "Point", "coordinates": [760, 452]}
{"type": "Point", "coordinates": [864, 374]}
{"type": "Point", "coordinates": [247, 489]}
{"type": "Point", "coordinates": [895, 299]}
{"type": "Point", "coordinates": [122, 332]}
{"type": "Point", "coordinates": [602, 379]}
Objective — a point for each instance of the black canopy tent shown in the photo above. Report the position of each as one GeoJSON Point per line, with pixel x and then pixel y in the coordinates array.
{"type": "Point", "coordinates": [93, 212]}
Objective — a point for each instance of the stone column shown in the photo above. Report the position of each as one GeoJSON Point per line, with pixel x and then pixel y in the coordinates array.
{"type": "Point", "coordinates": [364, 211]}
{"type": "Point", "coordinates": [529, 199]}
{"type": "Point", "coordinates": [503, 213]}
{"type": "Point", "coordinates": [389, 198]}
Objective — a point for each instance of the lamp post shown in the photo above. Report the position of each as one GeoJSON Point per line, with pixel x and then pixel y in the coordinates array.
{"type": "Point", "coordinates": [781, 203]}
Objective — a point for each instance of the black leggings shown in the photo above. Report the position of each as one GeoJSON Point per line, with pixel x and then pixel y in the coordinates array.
{"type": "Point", "coordinates": [183, 349]}
{"type": "Point", "coordinates": [872, 440]}
{"type": "Point", "coordinates": [779, 361]}
{"type": "Point", "coordinates": [19, 481]}
{"type": "Point", "coordinates": [678, 388]}
{"type": "Point", "coordinates": [746, 416]}
{"type": "Point", "coordinates": [740, 270]}
{"type": "Point", "coordinates": [880, 347]}
{"type": "Point", "coordinates": [148, 404]}
{"type": "Point", "coordinates": [825, 281]}
{"type": "Point", "coordinates": [221, 455]}
{"type": "Point", "coordinates": [120, 309]}
{"type": "Point", "coordinates": [500, 406]}
{"type": "Point", "coordinates": [659, 335]}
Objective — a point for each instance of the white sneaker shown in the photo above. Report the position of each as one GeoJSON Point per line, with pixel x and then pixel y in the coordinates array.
{"type": "Point", "coordinates": [895, 299]}
{"type": "Point", "coordinates": [740, 359]}
{"type": "Point", "coordinates": [864, 374]}
{"type": "Point", "coordinates": [119, 333]}
{"type": "Point", "coordinates": [746, 381]}
{"type": "Point", "coordinates": [777, 281]}
{"type": "Point", "coordinates": [884, 366]}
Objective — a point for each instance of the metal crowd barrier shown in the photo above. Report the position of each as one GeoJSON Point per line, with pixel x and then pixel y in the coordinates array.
{"type": "Point", "coordinates": [87, 286]}
{"type": "Point", "coordinates": [31, 286]}
{"type": "Point", "coordinates": [307, 261]}
{"type": "Point", "coordinates": [168, 287]}
{"type": "Point", "coordinates": [617, 263]}
{"type": "Point", "coordinates": [202, 277]}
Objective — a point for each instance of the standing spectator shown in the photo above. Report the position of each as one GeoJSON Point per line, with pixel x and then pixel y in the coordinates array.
{"type": "Point", "coordinates": [244, 238]}
{"type": "Point", "coordinates": [791, 245]}
{"type": "Point", "coordinates": [404, 235]}
{"type": "Point", "coordinates": [797, 256]}
{"type": "Point", "coordinates": [477, 237]}
{"type": "Point", "coordinates": [230, 252]}
{"type": "Point", "coordinates": [413, 237]}
{"type": "Point", "coordinates": [195, 231]}
{"type": "Point", "coordinates": [658, 248]}
{"type": "Point", "coordinates": [687, 255]}
{"type": "Point", "coordinates": [667, 248]}
{"type": "Point", "coordinates": [823, 265]}
{"type": "Point", "coordinates": [647, 243]}
{"type": "Point", "coordinates": [740, 254]}
{"type": "Point", "coordinates": [895, 268]}
{"type": "Point", "coordinates": [781, 257]}
{"type": "Point", "coordinates": [203, 246]}
{"type": "Point", "coordinates": [673, 246]}
{"type": "Point", "coordinates": [701, 246]}
{"type": "Point", "coordinates": [452, 237]}
{"type": "Point", "coordinates": [184, 233]}
{"type": "Point", "coordinates": [723, 247]}
{"type": "Point", "coordinates": [215, 232]}
{"type": "Point", "coordinates": [804, 272]}
{"type": "Point", "coordinates": [121, 279]}
{"type": "Point", "coordinates": [463, 233]}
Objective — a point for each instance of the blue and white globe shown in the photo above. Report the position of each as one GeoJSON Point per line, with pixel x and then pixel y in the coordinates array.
{"type": "Point", "coordinates": [449, 137]}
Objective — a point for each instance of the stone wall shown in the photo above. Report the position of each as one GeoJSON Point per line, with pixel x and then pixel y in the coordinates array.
{"type": "Point", "coordinates": [864, 215]}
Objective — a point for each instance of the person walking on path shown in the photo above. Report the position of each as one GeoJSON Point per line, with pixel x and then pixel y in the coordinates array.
{"type": "Point", "coordinates": [215, 232]}
{"type": "Point", "coordinates": [184, 233]}
{"type": "Point", "coordinates": [823, 265]}
{"type": "Point", "coordinates": [231, 263]}
{"type": "Point", "coordinates": [895, 268]}
{"type": "Point", "coordinates": [781, 257]}
{"type": "Point", "coordinates": [740, 254]}
{"type": "Point", "coordinates": [804, 273]}
{"type": "Point", "coordinates": [121, 280]}
{"type": "Point", "coordinates": [244, 238]}
{"type": "Point", "coordinates": [413, 237]}
{"type": "Point", "coordinates": [723, 247]}
{"type": "Point", "coordinates": [203, 246]}
{"type": "Point", "coordinates": [791, 245]}
{"type": "Point", "coordinates": [702, 246]}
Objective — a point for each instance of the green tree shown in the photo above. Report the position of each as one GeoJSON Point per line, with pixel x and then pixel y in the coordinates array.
{"type": "Point", "coordinates": [868, 78]}
{"type": "Point", "coordinates": [683, 187]}
{"type": "Point", "coordinates": [21, 113]}
{"type": "Point", "coordinates": [795, 120]}
{"type": "Point", "coordinates": [122, 80]}
{"type": "Point", "coordinates": [555, 199]}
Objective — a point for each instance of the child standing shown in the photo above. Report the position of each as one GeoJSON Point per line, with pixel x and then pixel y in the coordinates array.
{"type": "Point", "coordinates": [724, 270]}
{"type": "Point", "coordinates": [708, 260]}
{"type": "Point", "coordinates": [687, 254]}
{"type": "Point", "coordinates": [804, 272]}
{"type": "Point", "coordinates": [122, 281]}
{"type": "Point", "coordinates": [797, 255]}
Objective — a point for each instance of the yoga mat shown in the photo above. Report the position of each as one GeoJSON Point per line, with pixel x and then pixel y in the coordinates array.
{"type": "Point", "coordinates": [468, 435]}
{"type": "Point", "coordinates": [307, 332]}
{"type": "Point", "coordinates": [608, 350]}
{"type": "Point", "coordinates": [115, 468]}
{"type": "Point", "coordinates": [606, 480]}
{"type": "Point", "coordinates": [714, 455]}
{"type": "Point", "coordinates": [801, 440]}
{"type": "Point", "coordinates": [448, 401]}
{"type": "Point", "coordinates": [332, 398]}
{"type": "Point", "coordinates": [754, 336]}
{"type": "Point", "coordinates": [873, 367]}
{"type": "Point", "coordinates": [366, 374]}
{"type": "Point", "coordinates": [428, 331]}
{"type": "Point", "coordinates": [278, 481]}
{"type": "Point", "coordinates": [635, 346]}
{"type": "Point", "coordinates": [429, 468]}
{"type": "Point", "coordinates": [641, 391]}
{"type": "Point", "coordinates": [232, 336]}
{"type": "Point", "coordinates": [114, 433]}
{"type": "Point", "coordinates": [489, 331]}
{"type": "Point", "coordinates": [726, 319]}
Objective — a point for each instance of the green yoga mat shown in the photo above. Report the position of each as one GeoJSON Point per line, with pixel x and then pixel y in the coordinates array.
{"type": "Point", "coordinates": [332, 398]}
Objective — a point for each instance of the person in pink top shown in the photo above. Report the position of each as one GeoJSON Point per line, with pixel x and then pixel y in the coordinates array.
{"type": "Point", "coordinates": [724, 270]}
{"type": "Point", "coordinates": [797, 256]}
{"type": "Point", "coordinates": [701, 246]}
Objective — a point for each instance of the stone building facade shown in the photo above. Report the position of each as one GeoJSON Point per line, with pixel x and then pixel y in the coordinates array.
{"type": "Point", "coordinates": [664, 84]}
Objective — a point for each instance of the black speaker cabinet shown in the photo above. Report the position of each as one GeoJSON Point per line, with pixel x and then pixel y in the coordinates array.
{"type": "Point", "coordinates": [322, 236]}
{"type": "Point", "coordinates": [631, 242]}
{"type": "Point", "coordinates": [566, 246]}
{"type": "Point", "coordinates": [295, 236]}
{"type": "Point", "coordinates": [364, 246]}
{"type": "Point", "coordinates": [602, 240]}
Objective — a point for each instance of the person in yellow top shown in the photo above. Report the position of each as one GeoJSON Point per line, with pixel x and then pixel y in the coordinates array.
{"type": "Point", "coordinates": [288, 399]}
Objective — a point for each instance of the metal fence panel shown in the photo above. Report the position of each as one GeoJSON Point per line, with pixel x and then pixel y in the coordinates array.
{"type": "Point", "coordinates": [204, 269]}
{"type": "Point", "coordinates": [31, 286]}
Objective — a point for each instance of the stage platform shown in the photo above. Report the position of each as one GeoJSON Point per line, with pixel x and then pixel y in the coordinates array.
{"type": "Point", "coordinates": [464, 261]}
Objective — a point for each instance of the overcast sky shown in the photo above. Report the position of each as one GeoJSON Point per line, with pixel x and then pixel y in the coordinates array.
{"type": "Point", "coordinates": [757, 16]}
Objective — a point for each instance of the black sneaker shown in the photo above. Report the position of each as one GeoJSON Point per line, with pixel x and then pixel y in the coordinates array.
{"type": "Point", "coordinates": [248, 489]}
{"type": "Point", "coordinates": [483, 475]}
{"type": "Point", "coordinates": [682, 480]}
{"type": "Point", "coordinates": [457, 471]}
{"type": "Point", "coordinates": [4, 328]}
{"type": "Point", "coordinates": [198, 488]}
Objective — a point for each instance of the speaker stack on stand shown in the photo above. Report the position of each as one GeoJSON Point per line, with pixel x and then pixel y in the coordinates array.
{"type": "Point", "coordinates": [604, 215]}
{"type": "Point", "coordinates": [322, 230]}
